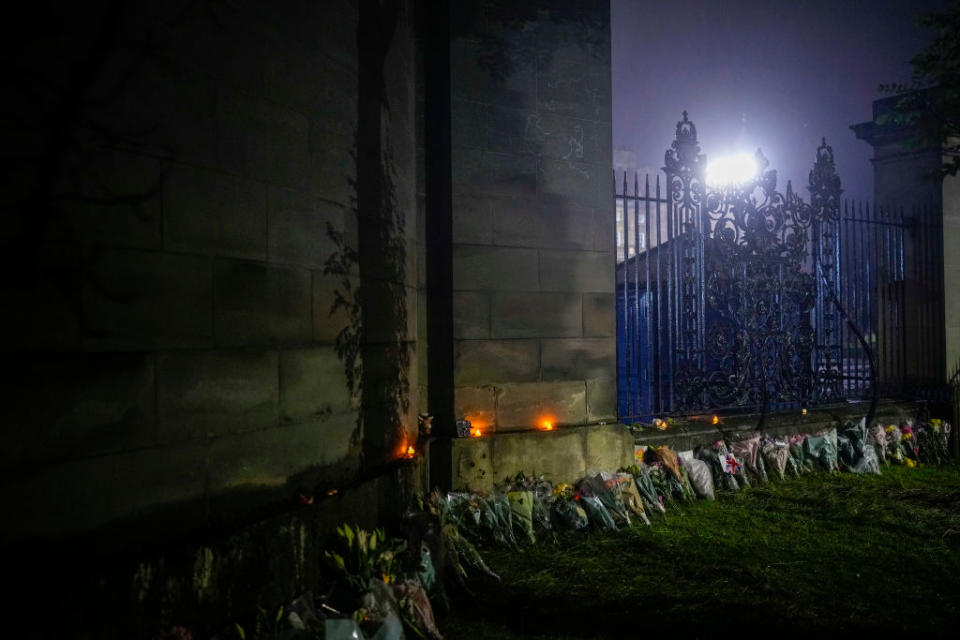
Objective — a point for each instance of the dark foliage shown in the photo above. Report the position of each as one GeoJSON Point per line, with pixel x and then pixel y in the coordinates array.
{"type": "Point", "coordinates": [930, 102]}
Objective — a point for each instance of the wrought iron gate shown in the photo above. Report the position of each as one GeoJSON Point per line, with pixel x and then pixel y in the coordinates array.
{"type": "Point", "coordinates": [731, 298]}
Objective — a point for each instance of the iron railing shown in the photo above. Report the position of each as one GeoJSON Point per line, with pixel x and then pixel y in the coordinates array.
{"type": "Point", "coordinates": [894, 290]}
{"type": "Point", "coordinates": [738, 299]}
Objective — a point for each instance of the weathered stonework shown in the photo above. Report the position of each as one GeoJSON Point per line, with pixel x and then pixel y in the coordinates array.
{"type": "Point", "coordinates": [533, 220]}
{"type": "Point", "coordinates": [908, 177]}
{"type": "Point", "coordinates": [221, 304]}
{"type": "Point", "coordinates": [567, 455]}
{"type": "Point", "coordinates": [198, 265]}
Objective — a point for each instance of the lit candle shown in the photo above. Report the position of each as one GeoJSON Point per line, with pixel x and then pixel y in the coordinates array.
{"type": "Point", "coordinates": [716, 419]}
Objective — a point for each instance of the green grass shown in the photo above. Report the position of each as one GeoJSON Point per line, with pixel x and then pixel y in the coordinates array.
{"type": "Point", "coordinates": [823, 553]}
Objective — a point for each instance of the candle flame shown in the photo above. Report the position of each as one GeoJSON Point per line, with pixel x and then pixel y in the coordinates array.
{"type": "Point", "coordinates": [716, 419]}
{"type": "Point", "coordinates": [411, 452]}
{"type": "Point", "coordinates": [803, 411]}
{"type": "Point", "coordinates": [476, 433]}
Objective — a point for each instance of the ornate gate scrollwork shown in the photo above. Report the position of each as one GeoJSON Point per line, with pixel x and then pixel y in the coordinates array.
{"type": "Point", "coordinates": [750, 319]}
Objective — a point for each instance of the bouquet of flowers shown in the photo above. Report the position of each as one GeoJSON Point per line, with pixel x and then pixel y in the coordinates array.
{"type": "Point", "coordinates": [365, 557]}
{"type": "Point", "coordinates": [465, 558]}
{"type": "Point", "coordinates": [722, 466]}
{"type": "Point", "coordinates": [854, 452]}
{"type": "Point", "coordinates": [908, 443]}
{"type": "Point", "coordinates": [931, 449]}
{"type": "Point", "coordinates": [822, 447]}
{"type": "Point", "coordinates": [847, 454]}
{"type": "Point", "coordinates": [542, 500]}
{"type": "Point", "coordinates": [797, 446]}
{"type": "Point", "coordinates": [661, 481]}
{"type": "Point", "coordinates": [673, 489]}
{"type": "Point", "coordinates": [942, 429]}
{"type": "Point", "coordinates": [429, 518]}
{"type": "Point", "coordinates": [521, 513]}
{"type": "Point", "coordinates": [415, 608]}
{"type": "Point", "coordinates": [792, 468]}
{"type": "Point", "coordinates": [496, 519]}
{"type": "Point", "coordinates": [733, 465]}
{"type": "Point", "coordinates": [762, 472]}
{"type": "Point", "coordinates": [542, 493]}
{"type": "Point", "coordinates": [809, 464]}
{"type": "Point", "coordinates": [868, 463]}
{"type": "Point", "coordinates": [665, 456]}
{"type": "Point", "coordinates": [688, 494]}
{"type": "Point", "coordinates": [606, 487]}
{"type": "Point", "coordinates": [776, 453]}
{"type": "Point", "coordinates": [648, 492]}
{"type": "Point", "coordinates": [748, 451]}
{"type": "Point", "coordinates": [462, 510]}
{"type": "Point", "coordinates": [565, 512]}
{"type": "Point", "coordinates": [631, 495]}
{"type": "Point", "coordinates": [877, 438]}
{"type": "Point", "coordinates": [599, 517]}
{"type": "Point", "coordinates": [894, 448]}
{"type": "Point", "coordinates": [698, 473]}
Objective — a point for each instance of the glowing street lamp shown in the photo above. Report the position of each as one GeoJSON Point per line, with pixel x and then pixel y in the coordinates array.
{"type": "Point", "coordinates": [732, 171]}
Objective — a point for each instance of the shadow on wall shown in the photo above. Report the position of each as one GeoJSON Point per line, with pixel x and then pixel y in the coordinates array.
{"type": "Point", "coordinates": [64, 128]}
{"type": "Point", "coordinates": [373, 346]}
{"type": "Point", "coordinates": [106, 102]}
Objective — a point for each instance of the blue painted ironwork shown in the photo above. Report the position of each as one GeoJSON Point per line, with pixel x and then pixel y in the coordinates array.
{"type": "Point", "coordinates": [730, 298]}
{"type": "Point", "coordinates": [746, 290]}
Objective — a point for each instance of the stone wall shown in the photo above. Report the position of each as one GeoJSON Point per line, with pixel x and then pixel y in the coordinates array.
{"type": "Point", "coordinates": [951, 269]}
{"type": "Point", "coordinates": [532, 214]}
{"type": "Point", "coordinates": [565, 455]}
{"type": "Point", "coordinates": [186, 175]}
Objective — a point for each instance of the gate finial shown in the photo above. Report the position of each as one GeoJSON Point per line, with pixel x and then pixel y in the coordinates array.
{"type": "Point", "coordinates": [685, 149]}
{"type": "Point", "coordinates": [825, 189]}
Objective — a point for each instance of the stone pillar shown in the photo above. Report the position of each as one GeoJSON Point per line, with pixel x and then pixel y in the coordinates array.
{"type": "Point", "coordinates": [906, 177]}
{"type": "Point", "coordinates": [951, 269]}
{"type": "Point", "coordinates": [533, 304]}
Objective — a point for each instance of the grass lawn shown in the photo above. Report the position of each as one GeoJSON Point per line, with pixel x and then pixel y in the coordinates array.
{"type": "Point", "coordinates": [829, 554]}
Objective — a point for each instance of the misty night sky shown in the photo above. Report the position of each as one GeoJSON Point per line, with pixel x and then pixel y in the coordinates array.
{"type": "Point", "coordinates": [773, 74]}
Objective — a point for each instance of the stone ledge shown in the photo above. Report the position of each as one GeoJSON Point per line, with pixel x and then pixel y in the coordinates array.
{"type": "Point", "coordinates": [563, 455]}
{"type": "Point", "coordinates": [698, 431]}
{"type": "Point", "coordinates": [568, 454]}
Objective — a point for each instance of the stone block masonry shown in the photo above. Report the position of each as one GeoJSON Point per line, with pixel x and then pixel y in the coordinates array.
{"type": "Point", "coordinates": [198, 281]}
{"type": "Point", "coordinates": [184, 339]}
{"type": "Point", "coordinates": [532, 216]}
{"type": "Point", "coordinates": [561, 456]}
{"type": "Point", "coordinates": [567, 455]}
{"type": "Point", "coordinates": [218, 278]}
